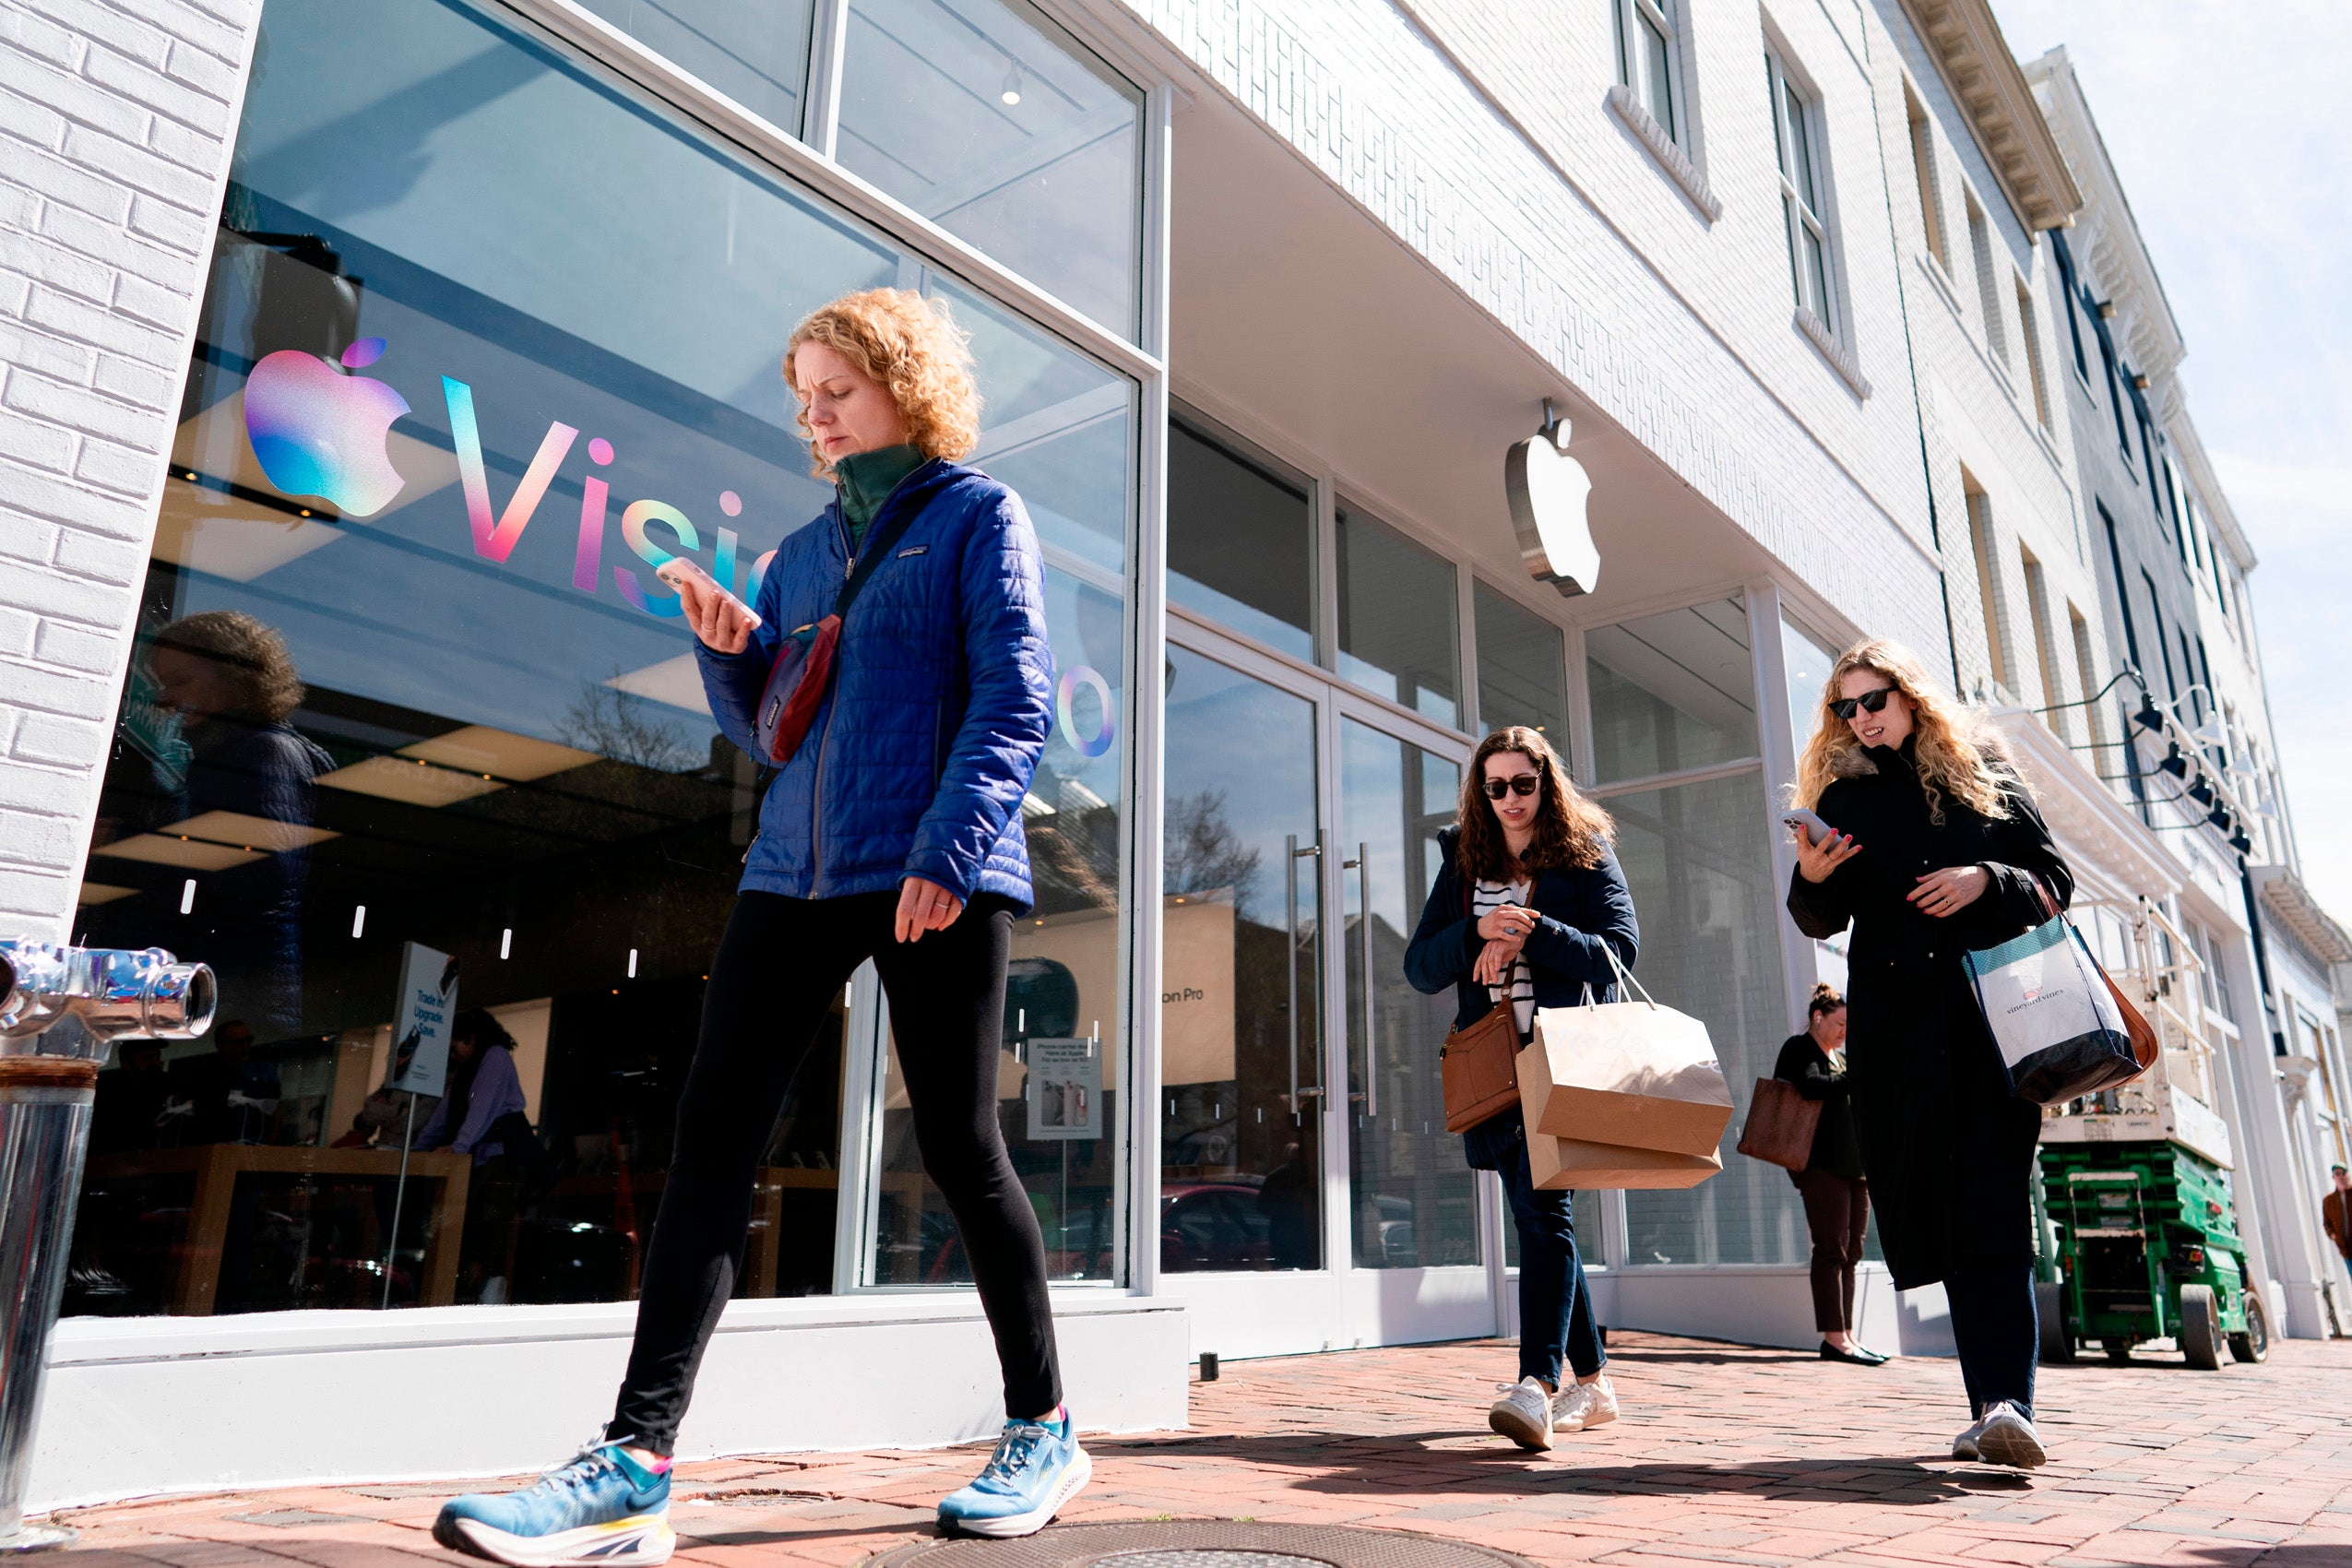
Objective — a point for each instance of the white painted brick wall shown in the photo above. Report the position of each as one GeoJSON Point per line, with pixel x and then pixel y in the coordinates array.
{"type": "Point", "coordinates": [115, 125]}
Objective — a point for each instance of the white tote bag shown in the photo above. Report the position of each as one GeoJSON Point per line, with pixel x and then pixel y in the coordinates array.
{"type": "Point", "coordinates": [2051, 1014]}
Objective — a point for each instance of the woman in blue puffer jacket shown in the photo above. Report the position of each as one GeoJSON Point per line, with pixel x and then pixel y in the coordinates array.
{"type": "Point", "coordinates": [892, 832]}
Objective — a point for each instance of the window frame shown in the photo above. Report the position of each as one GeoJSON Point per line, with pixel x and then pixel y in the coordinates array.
{"type": "Point", "coordinates": [1805, 213]}
{"type": "Point", "coordinates": [2030, 330]}
{"type": "Point", "coordinates": [1660, 18]}
{"type": "Point", "coordinates": [1920, 126]}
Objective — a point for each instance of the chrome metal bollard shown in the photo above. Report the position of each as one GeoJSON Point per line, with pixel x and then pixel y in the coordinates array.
{"type": "Point", "coordinates": [60, 1010]}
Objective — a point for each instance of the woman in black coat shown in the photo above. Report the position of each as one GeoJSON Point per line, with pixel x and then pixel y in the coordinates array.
{"type": "Point", "coordinates": [1528, 905]}
{"type": "Point", "coordinates": [1837, 1200]}
{"type": "Point", "coordinates": [1936, 852]}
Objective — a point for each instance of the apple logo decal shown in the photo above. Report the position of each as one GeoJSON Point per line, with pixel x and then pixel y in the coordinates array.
{"type": "Point", "coordinates": [1547, 490]}
{"type": "Point", "coordinates": [318, 431]}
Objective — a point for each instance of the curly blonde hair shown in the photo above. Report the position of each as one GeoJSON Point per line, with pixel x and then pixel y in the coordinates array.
{"type": "Point", "coordinates": [911, 346]}
{"type": "Point", "coordinates": [260, 670]}
{"type": "Point", "coordinates": [1958, 751]}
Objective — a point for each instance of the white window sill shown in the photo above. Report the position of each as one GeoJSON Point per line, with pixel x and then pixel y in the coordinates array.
{"type": "Point", "coordinates": [1840, 357]}
{"type": "Point", "coordinates": [1672, 159]}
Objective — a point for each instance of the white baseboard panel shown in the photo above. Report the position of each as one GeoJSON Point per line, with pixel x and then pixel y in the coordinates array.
{"type": "Point", "coordinates": [1754, 1304]}
{"type": "Point", "coordinates": [145, 1406]}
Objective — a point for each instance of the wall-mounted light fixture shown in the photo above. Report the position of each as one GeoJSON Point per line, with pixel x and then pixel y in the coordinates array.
{"type": "Point", "coordinates": [1547, 490]}
{"type": "Point", "coordinates": [2107, 310]}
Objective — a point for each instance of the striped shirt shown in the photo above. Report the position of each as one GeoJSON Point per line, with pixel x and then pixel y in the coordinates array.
{"type": "Point", "coordinates": [1485, 898]}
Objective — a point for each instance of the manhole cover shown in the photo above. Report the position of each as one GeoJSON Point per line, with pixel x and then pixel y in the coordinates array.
{"type": "Point", "coordinates": [1202, 1543]}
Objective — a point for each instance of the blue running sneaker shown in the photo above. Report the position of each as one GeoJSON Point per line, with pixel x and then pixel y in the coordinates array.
{"type": "Point", "coordinates": [601, 1506]}
{"type": "Point", "coordinates": [1037, 1467]}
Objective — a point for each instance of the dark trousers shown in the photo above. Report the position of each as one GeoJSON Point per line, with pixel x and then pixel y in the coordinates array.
{"type": "Point", "coordinates": [1837, 1211]}
{"type": "Point", "coordinates": [779, 966]}
{"type": "Point", "coordinates": [1555, 1305]}
{"type": "Point", "coordinates": [1997, 1331]}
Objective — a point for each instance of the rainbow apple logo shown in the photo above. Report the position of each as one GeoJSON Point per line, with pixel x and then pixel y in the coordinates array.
{"type": "Point", "coordinates": [318, 431]}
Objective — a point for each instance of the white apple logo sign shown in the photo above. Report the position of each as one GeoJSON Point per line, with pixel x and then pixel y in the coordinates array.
{"type": "Point", "coordinates": [1547, 490]}
{"type": "Point", "coordinates": [318, 431]}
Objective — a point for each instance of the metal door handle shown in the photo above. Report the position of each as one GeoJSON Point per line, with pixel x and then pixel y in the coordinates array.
{"type": "Point", "coordinates": [1291, 963]}
{"type": "Point", "coordinates": [1364, 929]}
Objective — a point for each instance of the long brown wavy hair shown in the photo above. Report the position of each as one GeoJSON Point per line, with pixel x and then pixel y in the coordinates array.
{"type": "Point", "coordinates": [1570, 829]}
{"type": "Point", "coordinates": [1959, 752]}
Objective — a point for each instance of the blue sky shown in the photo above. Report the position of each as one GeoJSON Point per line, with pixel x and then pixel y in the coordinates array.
{"type": "Point", "coordinates": [2231, 130]}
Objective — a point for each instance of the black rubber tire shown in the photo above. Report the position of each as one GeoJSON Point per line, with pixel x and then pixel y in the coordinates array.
{"type": "Point", "coordinates": [2050, 1304]}
{"type": "Point", "coordinates": [2254, 1344]}
{"type": "Point", "coordinates": [2200, 1327]}
{"type": "Point", "coordinates": [2117, 1355]}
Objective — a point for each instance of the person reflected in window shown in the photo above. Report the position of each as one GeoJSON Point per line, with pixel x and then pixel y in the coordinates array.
{"type": "Point", "coordinates": [892, 831]}
{"type": "Point", "coordinates": [230, 1095]}
{"type": "Point", "coordinates": [1935, 850]}
{"type": "Point", "coordinates": [1837, 1201]}
{"type": "Point", "coordinates": [482, 1113]}
{"type": "Point", "coordinates": [1287, 1199]}
{"type": "Point", "coordinates": [1528, 905]}
{"type": "Point", "coordinates": [232, 685]}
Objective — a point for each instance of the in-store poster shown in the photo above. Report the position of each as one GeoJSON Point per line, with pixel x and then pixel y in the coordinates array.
{"type": "Point", "coordinates": [427, 1001]}
{"type": "Point", "coordinates": [1065, 1089]}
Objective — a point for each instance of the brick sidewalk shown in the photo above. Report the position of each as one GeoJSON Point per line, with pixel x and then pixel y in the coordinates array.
{"type": "Point", "coordinates": [1726, 1455]}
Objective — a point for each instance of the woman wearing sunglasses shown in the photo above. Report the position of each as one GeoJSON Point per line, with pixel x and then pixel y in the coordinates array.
{"type": "Point", "coordinates": [1936, 849]}
{"type": "Point", "coordinates": [1527, 892]}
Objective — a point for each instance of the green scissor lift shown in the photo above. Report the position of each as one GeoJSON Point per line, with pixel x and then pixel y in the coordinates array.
{"type": "Point", "coordinates": [2137, 1230]}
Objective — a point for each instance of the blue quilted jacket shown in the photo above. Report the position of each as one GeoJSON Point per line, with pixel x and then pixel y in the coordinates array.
{"type": "Point", "coordinates": [942, 692]}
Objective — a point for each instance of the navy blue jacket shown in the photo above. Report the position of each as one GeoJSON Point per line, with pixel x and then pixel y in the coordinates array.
{"type": "Point", "coordinates": [943, 690]}
{"type": "Point", "coordinates": [1581, 909]}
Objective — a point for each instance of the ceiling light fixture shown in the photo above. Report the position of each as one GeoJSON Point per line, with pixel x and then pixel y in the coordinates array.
{"type": "Point", "coordinates": [1012, 93]}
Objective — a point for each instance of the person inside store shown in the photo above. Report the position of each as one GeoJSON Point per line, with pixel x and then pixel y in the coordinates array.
{"type": "Point", "coordinates": [1935, 850]}
{"type": "Point", "coordinates": [891, 831]}
{"type": "Point", "coordinates": [1528, 905]}
{"type": "Point", "coordinates": [228, 1094]}
{"type": "Point", "coordinates": [482, 1113]}
{"type": "Point", "coordinates": [1837, 1200]}
{"type": "Point", "coordinates": [2335, 1213]}
{"type": "Point", "coordinates": [128, 1111]}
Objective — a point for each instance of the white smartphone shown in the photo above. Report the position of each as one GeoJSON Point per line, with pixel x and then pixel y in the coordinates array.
{"type": "Point", "coordinates": [1809, 824]}
{"type": "Point", "coordinates": [678, 567]}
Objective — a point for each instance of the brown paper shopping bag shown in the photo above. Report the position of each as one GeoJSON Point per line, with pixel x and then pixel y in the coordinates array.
{"type": "Point", "coordinates": [1571, 1162]}
{"type": "Point", "coordinates": [1631, 1073]}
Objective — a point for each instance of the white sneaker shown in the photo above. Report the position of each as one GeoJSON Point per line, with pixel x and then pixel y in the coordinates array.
{"type": "Point", "coordinates": [1964, 1446]}
{"type": "Point", "coordinates": [2006, 1437]}
{"type": "Point", "coordinates": [1580, 1406]}
{"type": "Point", "coordinates": [1524, 1413]}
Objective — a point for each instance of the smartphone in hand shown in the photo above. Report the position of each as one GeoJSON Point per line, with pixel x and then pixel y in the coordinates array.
{"type": "Point", "coordinates": [678, 571]}
{"type": "Point", "coordinates": [1809, 824]}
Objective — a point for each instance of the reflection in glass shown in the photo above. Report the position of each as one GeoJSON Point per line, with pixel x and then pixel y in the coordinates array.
{"type": "Point", "coordinates": [1523, 668]}
{"type": "Point", "coordinates": [995, 124]}
{"type": "Point", "coordinates": [1808, 664]}
{"type": "Point", "coordinates": [758, 55]}
{"type": "Point", "coordinates": [1241, 545]}
{"type": "Point", "coordinates": [425, 464]}
{"type": "Point", "coordinates": [1061, 1076]}
{"type": "Point", "coordinates": [1700, 870]}
{"type": "Point", "coordinates": [1397, 618]}
{"type": "Point", "coordinates": [1414, 1201]}
{"type": "Point", "coordinates": [1241, 1158]}
{"type": "Point", "coordinates": [1672, 691]}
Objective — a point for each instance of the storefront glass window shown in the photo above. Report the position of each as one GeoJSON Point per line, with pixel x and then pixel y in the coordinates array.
{"type": "Point", "coordinates": [758, 55]}
{"type": "Point", "coordinates": [486, 340]}
{"type": "Point", "coordinates": [1672, 692]}
{"type": "Point", "coordinates": [1241, 545]}
{"type": "Point", "coordinates": [1806, 664]}
{"type": "Point", "coordinates": [995, 124]}
{"type": "Point", "coordinates": [1398, 626]}
{"type": "Point", "coordinates": [1523, 668]}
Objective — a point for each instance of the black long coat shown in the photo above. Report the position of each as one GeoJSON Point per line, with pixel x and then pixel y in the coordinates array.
{"type": "Point", "coordinates": [1948, 1149]}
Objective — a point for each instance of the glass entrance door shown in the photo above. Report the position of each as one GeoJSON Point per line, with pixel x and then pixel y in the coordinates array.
{"type": "Point", "coordinates": [1243, 1037]}
{"type": "Point", "coordinates": [1413, 1203]}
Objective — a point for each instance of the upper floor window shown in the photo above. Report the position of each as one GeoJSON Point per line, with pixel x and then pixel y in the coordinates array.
{"type": "Point", "coordinates": [1796, 134]}
{"type": "Point", "coordinates": [1923, 172]}
{"type": "Point", "coordinates": [1649, 63]}
{"type": "Point", "coordinates": [2029, 329]}
{"type": "Point", "coordinates": [991, 121]}
{"type": "Point", "coordinates": [1988, 286]}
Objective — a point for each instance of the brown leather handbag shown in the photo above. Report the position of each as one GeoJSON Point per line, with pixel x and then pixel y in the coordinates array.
{"type": "Point", "coordinates": [1481, 1067]}
{"type": "Point", "coordinates": [1781, 1123]}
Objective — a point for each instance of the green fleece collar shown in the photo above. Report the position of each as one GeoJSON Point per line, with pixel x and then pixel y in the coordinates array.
{"type": "Point", "coordinates": [865, 481]}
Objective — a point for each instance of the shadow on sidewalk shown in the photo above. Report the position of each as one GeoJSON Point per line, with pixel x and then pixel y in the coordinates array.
{"type": "Point", "coordinates": [1371, 1464]}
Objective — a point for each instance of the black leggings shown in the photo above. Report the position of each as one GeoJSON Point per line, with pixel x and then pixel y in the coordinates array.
{"type": "Point", "coordinates": [779, 966]}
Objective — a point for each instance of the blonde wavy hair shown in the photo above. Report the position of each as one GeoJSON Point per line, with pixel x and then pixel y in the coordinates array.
{"type": "Point", "coordinates": [1959, 752]}
{"type": "Point", "coordinates": [911, 346]}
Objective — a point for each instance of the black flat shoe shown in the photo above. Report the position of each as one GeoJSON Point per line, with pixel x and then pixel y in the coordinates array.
{"type": "Point", "coordinates": [1860, 1358]}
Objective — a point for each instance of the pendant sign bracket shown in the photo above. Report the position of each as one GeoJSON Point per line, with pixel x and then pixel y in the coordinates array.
{"type": "Point", "coordinates": [1547, 490]}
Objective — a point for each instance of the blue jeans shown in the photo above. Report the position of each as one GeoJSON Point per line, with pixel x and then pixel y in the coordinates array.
{"type": "Point", "coordinates": [1555, 1306]}
{"type": "Point", "coordinates": [1997, 1330]}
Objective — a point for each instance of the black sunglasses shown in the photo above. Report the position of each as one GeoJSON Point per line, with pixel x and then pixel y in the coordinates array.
{"type": "Point", "coordinates": [1869, 702]}
{"type": "Point", "coordinates": [1517, 784]}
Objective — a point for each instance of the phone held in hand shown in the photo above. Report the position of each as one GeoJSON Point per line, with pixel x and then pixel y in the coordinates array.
{"type": "Point", "coordinates": [1809, 824]}
{"type": "Point", "coordinates": [677, 571]}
